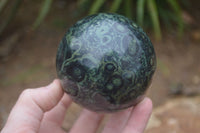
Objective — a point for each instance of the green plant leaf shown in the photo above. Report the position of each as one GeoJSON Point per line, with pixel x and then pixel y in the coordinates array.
{"type": "Point", "coordinates": [115, 5]}
{"type": "Point", "coordinates": [83, 4]}
{"type": "Point", "coordinates": [96, 6]}
{"type": "Point", "coordinates": [2, 4]}
{"type": "Point", "coordinates": [154, 17]}
{"type": "Point", "coordinates": [140, 11]}
{"type": "Point", "coordinates": [43, 12]}
{"type": "Point", "coordinates": [166, 16]}
{"type": "Point", "coordinates": [177, 10]}
{"type": "Point", "coordinates": [128, 7]}
{"type": "Point", "coordinates": [12, 14]}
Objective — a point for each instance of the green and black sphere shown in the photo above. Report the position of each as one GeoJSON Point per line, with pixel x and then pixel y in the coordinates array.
{"type": "Point", "coordinates": [105, 62]}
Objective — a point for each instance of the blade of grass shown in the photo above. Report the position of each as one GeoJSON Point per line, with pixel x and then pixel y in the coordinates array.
{"type": "Point", "coordinates": [177, 9]}
{"type": "Point", "coordinates": [81, 2]}
{"type": "Point", "coordinates": [12, 14]}
{"type": "Point", "coordinates": [43, 12]}
{"type": "Point", "coordinates": [154, 17]}
{"type": "Point", "coordinates": [83, 6]}
{"type": "Point", "coordinates": [166, 16]}
{"type": "Point", "coordinates": [115, 5]}
{"type": "Point", "coordinates": [96, 6]}
{"type": "Point", "coordinates": [185, 3]}
{"type": "Point", "coordinates": [128, 7]}
{"type": "Point", "coordinates": [140, 12]}
{"type": "Point", "coordinates": [2, 4]}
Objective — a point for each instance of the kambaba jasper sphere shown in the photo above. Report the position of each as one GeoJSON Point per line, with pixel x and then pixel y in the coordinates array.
{"type": "Point", "coordinates": [105, 62]}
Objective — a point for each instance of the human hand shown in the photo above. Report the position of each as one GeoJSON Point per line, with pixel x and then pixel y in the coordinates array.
{"type": "Point", "coordinates": [42, 110]}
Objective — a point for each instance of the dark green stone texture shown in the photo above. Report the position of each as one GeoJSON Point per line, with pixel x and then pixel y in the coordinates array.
{"type": "Point", "coordinates": [105, 62]}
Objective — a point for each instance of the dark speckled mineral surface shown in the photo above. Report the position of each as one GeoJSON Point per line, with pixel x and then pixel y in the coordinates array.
{"type": "Point", "coordinates": [105, 62]}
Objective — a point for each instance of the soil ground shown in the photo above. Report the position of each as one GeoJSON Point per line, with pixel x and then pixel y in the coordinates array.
{"type": "Point", "coordinates": [31, 63]}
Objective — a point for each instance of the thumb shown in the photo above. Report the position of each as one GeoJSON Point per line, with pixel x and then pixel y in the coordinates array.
{"type": "Point", "coordinates": [29, 110]}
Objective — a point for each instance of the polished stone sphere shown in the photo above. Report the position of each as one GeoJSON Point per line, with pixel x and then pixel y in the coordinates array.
{"type": "Point", "coordinates": [105, 62]}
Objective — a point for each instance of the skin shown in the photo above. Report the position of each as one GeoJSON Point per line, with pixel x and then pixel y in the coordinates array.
{"type": "Point", "coordinates": [42, 110]}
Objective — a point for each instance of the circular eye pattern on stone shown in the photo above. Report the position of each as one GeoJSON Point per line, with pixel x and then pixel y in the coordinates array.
{"type": "Point", "coordinates": [75, 71]}
{"type": "Point", "coordinates": [109, 67]}
{"type": "Point", "coordinates": [133, 47]}
{"type": "Point", "coordinates": [117, 82]}
{"type": "Point", "coordinates": [109, 86]}
{"type": "Point", "coordinates": [127, 76]}
{"type": "Point", "coordinates": [78, 74]}
{"type": "Point", "coordinates": [113, 84]}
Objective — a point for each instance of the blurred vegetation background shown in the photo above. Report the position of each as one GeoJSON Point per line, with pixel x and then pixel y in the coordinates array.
{"type": "Point", "coordinates": [149, 14]}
